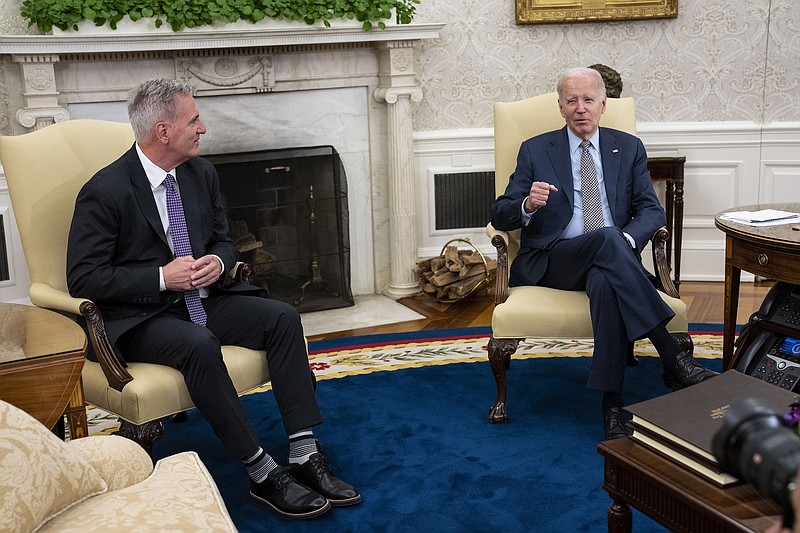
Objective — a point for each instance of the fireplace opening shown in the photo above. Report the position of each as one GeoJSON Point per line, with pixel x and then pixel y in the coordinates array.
{"type": "Point", "coordinates": [287, 209]}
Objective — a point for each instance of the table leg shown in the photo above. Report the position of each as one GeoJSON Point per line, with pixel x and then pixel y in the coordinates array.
{"type": "Point", "coordinates": [619, 517]}
{"type": "Point", "coordinates": [76, 414]}
{"type": "Point", "coordinates": [732, 276]}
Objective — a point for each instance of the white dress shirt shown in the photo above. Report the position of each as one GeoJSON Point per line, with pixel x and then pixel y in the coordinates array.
{"type": "Point", "coordinates": [156, 175]}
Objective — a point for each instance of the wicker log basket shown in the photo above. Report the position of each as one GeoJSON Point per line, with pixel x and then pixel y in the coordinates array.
{"type": "Point", "coordinates": [455, 274]}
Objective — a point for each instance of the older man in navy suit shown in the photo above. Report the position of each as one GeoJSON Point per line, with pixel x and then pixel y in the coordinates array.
{"type": "Point", "coordinates": [149, 244]}
{"type": "Point", "coordinates": [586, 205]}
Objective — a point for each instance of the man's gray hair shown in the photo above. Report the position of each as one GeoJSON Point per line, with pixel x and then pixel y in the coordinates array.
{"type": "Point", "coordinates": [577, 72]}
{"type": "Point", "coordinates": [154, 101]}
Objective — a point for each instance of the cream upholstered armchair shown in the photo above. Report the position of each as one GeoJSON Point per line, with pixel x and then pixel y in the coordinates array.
{"type": "Point", "coordinates": [45, 170]}
{"type": "Point", "coordinates": [531, 312]}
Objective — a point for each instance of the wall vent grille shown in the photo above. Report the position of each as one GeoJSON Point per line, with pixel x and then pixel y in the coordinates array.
{"type": "Point", "coordinates": [463, 200]}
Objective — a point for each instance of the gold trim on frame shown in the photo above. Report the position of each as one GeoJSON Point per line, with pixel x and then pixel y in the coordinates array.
{"type": "Point", "coordinates": [558, 11]}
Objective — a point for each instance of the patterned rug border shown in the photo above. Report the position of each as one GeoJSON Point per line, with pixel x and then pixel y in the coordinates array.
{"type": "Point", "coordinates": [381, 356]}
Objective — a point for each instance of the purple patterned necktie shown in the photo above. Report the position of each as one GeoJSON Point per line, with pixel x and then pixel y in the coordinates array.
{"type": "Point", "coordinates": [182, 247]}
{"type": "Point", "coordinates": [592, 208]}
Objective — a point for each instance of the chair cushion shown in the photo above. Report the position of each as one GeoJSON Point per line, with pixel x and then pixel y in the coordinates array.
{"type": "Point", "coordinates": [40, 476]}
{"type": "Point", "coordinates": [179, 496]}
{"type": "Point", "coordinates": [158, 391]}
{"type": "Point", "coordinates": [559, 314]}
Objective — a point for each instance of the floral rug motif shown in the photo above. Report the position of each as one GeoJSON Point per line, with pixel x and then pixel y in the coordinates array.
{"type": "Point", "coordinates": [339, 363]}
{"type": "Point", "coordinates": [387, 356]}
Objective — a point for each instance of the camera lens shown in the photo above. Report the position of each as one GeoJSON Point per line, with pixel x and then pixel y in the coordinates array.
{"type": "Point", "coordinates": [756, 446]}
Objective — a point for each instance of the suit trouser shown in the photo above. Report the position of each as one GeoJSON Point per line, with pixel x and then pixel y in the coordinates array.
{"type": "Point", "coordinates": [170, 338]}
{"type": "Point", "coordinates": [623, 302]}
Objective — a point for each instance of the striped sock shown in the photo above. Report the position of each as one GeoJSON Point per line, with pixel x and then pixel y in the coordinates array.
{"type": "Point", "coordinates": [259, 465]}
{"type": "Point", "coordinates": [301, 445]}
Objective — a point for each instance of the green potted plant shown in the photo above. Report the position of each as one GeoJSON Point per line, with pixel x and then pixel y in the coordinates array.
{"type": "Point", "coordinates": [179, 14]}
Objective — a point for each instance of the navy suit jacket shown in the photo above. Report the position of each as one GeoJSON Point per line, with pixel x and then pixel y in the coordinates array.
{"type": "Point", "coordinates": [117, 240]}
{"type": "Point", "coordinates": [629, 189]}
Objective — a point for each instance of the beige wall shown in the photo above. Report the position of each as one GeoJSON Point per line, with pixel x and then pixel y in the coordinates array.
{"type": "Point", "coordinates": [707, 65]}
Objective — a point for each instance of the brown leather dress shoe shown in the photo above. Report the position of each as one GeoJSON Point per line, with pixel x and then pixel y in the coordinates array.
{"type": "Point", "coordinates": [615, 425]}
{"type": "Point", "coordinates": [316, 474]}
{"type": "Point", "coordinates": [288, 497]}
{"type": "Point", "coordinates": [685, 373]}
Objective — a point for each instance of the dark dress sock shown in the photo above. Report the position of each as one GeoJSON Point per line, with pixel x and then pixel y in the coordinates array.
{"type": "Point", "coordinates": [611, 399]}
{"type": "Point", "coordinates": [666, 346]}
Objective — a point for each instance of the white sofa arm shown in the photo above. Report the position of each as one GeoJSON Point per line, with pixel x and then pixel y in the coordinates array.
{"type": "Point", "coordinates": [119, 461]}
{"type": "Point", "coordinates": [179, 495]}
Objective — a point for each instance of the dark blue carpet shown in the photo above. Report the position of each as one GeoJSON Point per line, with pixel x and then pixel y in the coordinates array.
{"type": "Point", "coordinates": [418, 445]}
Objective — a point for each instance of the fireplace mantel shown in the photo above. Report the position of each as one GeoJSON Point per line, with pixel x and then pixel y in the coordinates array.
{"type": "Point", "coordinates": [78, 43]}
{"type": "Point", "coordinates": [278, 80]}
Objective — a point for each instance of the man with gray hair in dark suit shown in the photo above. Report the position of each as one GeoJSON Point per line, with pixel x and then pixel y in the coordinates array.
{"type": "Point", "coordinates": [149, 244]}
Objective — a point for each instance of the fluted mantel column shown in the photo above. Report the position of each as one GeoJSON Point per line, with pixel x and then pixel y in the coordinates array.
{"type": "Point", "coordinates": [398, 89]}
{"type": "Point", "coordinates": [39, 90]}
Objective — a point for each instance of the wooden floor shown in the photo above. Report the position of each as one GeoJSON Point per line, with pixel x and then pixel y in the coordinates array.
{"type": "Point", "coordinates": [705, 301]}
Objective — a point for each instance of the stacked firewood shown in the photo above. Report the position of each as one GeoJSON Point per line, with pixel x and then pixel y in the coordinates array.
{"type": "Point", "coordinates": [455, 274]}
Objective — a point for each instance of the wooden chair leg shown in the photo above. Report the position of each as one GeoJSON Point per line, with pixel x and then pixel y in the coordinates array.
{"type": "Point", "coordinates": [500, 351]}
{"type": "Point", "coordinates": [144, 435]}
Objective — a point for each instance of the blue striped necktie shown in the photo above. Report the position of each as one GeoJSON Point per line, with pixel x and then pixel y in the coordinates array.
{"type": "Point", "coordinates": [182, 247]}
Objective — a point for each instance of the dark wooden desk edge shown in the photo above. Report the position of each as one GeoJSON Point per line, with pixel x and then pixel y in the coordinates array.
{"type": "Point", "coordinates": [635, 476]}
{"type": "Point", "coordinates": [782, 242]}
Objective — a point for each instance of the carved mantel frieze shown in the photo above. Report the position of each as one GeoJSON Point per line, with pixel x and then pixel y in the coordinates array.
{"type": "Point", "coordinates": [227, 72]}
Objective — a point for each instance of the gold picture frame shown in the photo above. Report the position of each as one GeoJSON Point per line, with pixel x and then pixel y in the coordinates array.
{"type": "Point", "coordinates": [560, 11]}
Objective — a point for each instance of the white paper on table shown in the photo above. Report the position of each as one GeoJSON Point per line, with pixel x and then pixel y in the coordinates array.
{"type": "Point", "coordinates": [764, 217]}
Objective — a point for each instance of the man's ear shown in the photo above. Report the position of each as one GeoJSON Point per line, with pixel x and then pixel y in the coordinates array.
{"type": "Point", "coordinates": [162, 132]}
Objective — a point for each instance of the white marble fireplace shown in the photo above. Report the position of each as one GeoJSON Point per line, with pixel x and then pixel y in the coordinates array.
{"type": "Point", "coordinates": [261, 89]}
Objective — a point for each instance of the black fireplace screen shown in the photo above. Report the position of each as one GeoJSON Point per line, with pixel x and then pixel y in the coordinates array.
{"type": "Point", "coordinates": [288, 214]}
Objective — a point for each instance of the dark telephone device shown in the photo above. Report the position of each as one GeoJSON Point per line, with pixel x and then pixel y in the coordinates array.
{"type": "Point", "coordinates": [769, 346]}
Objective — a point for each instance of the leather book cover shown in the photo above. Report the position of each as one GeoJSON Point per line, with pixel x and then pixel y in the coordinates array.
{"type": "Point", "coordinates": [690, 417]}
{"type": "Point", "coordinates": [709, 470]}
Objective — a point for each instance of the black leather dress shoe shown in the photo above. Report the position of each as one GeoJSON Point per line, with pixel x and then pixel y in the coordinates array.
{"type": "Point", "coordinates": [316, 474]}
{"type": "Point", "coordinates": [615, 425]}
{"type": "Point", "coordinates": [288, 497]}
{"type": "Point", "coordinates": [685, 373]}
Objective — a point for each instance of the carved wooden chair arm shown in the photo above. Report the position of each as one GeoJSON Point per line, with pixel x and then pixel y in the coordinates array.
{"type": "Point", "coordinates": [48, 297]}
{"type": "Point", "coordinates": [660, 263]}
{"type": "Point", "coordinates": [112, 365]}
{"type": "Point", "coordinates": [500, 241]}
{"type": "Point", "coordinates": [241, 272]}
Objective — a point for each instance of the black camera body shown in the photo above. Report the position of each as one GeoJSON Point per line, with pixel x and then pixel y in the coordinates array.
{"type": "Point", "coordinates": [756, 445]}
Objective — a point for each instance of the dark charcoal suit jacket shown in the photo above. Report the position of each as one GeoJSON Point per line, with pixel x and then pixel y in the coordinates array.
{"type": "Point", "coordinates": [117, 241]}
{"type": "Point", "coordinates": [633, 202]}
